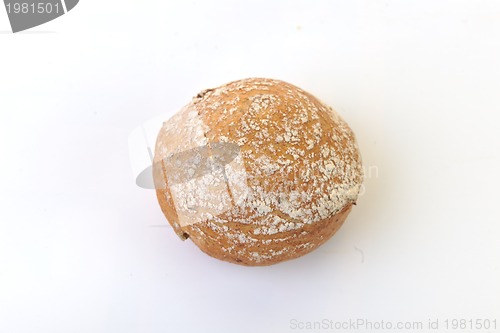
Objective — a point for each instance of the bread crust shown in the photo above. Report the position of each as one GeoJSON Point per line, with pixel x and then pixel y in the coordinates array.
{"type": "Point", "coordinates": [290, 174]}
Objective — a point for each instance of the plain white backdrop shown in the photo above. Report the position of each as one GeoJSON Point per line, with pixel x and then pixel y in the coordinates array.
{"type": "Point", "coordinates": [83, 249]}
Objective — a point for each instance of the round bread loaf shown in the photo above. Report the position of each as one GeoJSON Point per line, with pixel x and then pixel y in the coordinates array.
{"type": "Point", "coordinates": [256, 171]}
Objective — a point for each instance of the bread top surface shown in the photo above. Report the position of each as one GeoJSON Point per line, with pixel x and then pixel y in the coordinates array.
{"type": "Point", "coordinates": [287, 160]}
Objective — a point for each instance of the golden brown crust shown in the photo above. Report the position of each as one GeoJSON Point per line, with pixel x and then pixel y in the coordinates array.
{"type": "Point", "coordinates": [289, 187]}
{"type": "Point", "coordinates": [314, 235]}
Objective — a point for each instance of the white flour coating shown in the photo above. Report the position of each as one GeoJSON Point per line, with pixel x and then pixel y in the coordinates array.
{"type": "Point", "coordinates": [291, 170]}
{"type": "Point", "coordinates": [200, 189]}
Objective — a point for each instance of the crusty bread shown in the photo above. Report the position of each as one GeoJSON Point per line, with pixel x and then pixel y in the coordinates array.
{"type": "Point", "coordinates": [256, 171]}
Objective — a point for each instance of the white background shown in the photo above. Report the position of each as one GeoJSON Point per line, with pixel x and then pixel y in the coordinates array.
{"type": "Point", "coordinates": [83, 249]}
